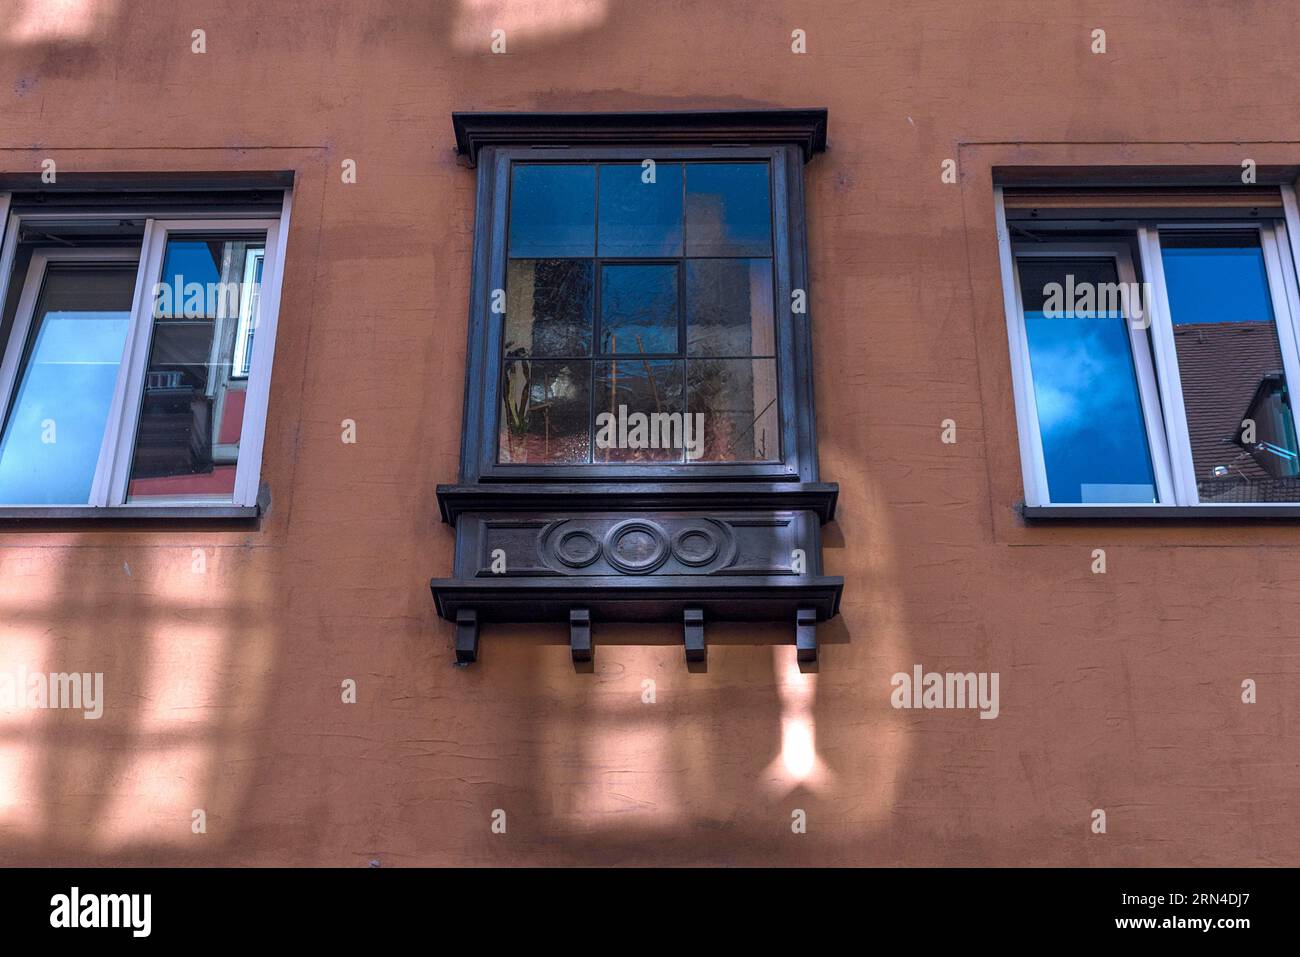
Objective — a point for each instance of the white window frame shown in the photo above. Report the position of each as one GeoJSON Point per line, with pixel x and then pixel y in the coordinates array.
{"type": "Point", "coordinates": [1159, 387]}
{"type": "Point", "coordinates": [1144, 373]}
{"type": "Point", "coordinates": [33, 282]}
{"type": "Point", "coordinates": [112, 473]}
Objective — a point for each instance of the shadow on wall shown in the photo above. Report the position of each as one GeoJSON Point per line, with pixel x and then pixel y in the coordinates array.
{"type": "Point", "coordinates": [176, 661]}
{"type": "Point", "coordinates": [643, 760]}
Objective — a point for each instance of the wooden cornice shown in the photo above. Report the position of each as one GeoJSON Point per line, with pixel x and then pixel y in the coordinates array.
{"type": "Point", "coordinates": [803, 127]}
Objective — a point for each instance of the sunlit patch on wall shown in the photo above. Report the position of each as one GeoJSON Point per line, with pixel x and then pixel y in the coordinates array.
{"type": "Point", "coordinates": [153, 798]}
{"type": "Point", "coordinates": [798, 763]}
{"type": "Point", "coordinates": [620, 769]}
{"type": "Point", "coordinates": [522, 20]}
{"type": "Point", "coordinates": [45, 21]}
{"type": "Point", "coordinates": [20, 812]}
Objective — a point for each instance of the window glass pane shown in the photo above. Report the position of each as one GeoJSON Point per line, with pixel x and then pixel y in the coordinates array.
{"type": "Point", "coordinates": [736, 401]}
{"type": "Point", "coordinates": [250, 303]}
{"type": "Point", "coordinates": [604, 264]}
{"type": "Point", "coordinates": [1239, 416]}
{"type": "Point", "coordinates": [69, 369]}
{"type": "Point", "coordinates": [192, 408]}
{"type": "Point", "coordinates": [545, 409]}
{"type": "Point", "coordinates": [639, 411]}
{"type": "Point", "coordinates": [639, 218]}
{"type": "Point", "coordinates": [1085, 387]}
{"type": "Point", "coordinates": [638, 309]}
{"type": "Point", "coordinates": [729, 307]}
{"type": "Point", "coordinates": [728, 210]}
{"type": "Point", "coordinates": [548, 307]}
{"type": "Point", "coordinates": [552, 211]}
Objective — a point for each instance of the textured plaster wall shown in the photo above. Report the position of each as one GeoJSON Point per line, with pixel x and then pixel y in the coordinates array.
{"type": "Point", "coordinates": [1118, 691]}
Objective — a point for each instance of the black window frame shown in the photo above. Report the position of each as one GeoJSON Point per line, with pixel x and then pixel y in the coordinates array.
{"type": "Point", "coordinates": [793, 341]}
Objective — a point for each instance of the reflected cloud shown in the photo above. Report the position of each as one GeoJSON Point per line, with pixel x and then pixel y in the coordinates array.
{"type": "Point", "coordinates": [1089, 409]}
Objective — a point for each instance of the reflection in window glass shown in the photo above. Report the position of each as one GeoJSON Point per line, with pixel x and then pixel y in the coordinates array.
{"type": "Point", "coordinates": [55, 427]}
{"type": "Point", "coordinates": [639, 291]}
{"type": "Point", "coordinates": [1085, 389]}
{"type": "Point", "coordinates": [1239, 416]}
{"type": "Point", "coordinates": [548, 307]}
{"type": "Point", "coordinates": [729, 307]}
{"type": "Point", "coordinates": [249, 306]}
{"type": "Point", "coordinates": [192, 407]}
{"type": "Point", "coordinates": [737, 402]}
{"type": "Point", "coordinates": [638, 309]}
{"type": "Point", "coordinates": [552, 211]}
{"type": "Point", "coordinates": [545, 406]}
{"type": "Point", "coordinates": [643, 399]}
{"type": "Point", "coordinates": [728, 210]}
{"type": "Point", "coordinates": [637, 217]}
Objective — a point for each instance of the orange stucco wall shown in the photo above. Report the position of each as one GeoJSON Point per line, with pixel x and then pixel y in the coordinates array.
{"type": "Point", "coordinates": [1119, 691]}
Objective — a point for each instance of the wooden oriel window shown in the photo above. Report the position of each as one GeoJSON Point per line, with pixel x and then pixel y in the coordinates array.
{"type": "Point", "coordinates": [639, 438]}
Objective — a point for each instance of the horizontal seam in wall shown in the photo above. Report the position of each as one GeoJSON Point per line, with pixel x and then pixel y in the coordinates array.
{"type": "Point", "coordinates": [164, 149]}
{"type": "Point", "coordinates": [1153, 545]}
{"type": "Point", "coordinates": [961, 143]}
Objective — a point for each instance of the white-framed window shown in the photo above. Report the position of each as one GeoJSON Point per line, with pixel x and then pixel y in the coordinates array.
{"type": "Point", "coordinates": [1152, 359]}
{"type": "Point", "coordinates": [135, 355]}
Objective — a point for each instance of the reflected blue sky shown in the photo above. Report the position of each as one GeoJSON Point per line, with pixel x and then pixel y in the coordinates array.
{"type": "Point", "coordinates": [639, 218]}
{"type": "Point", "coordinates": [728, 209]}
{"type": "Point", "coordinates": [552, 211]}
{"type": "Point", "coordinates": [189, 261]}
{"type": "Point", "coordinates": [1085, 390]}
{"type": "Point", "coordinates": [638, 309]}
{"type": "Point", "coordinates": [1215, 283]}
{"type": "Point", "coordinates": [1089, 413]}
{"type": "Point", "coordinates": [69, 380]}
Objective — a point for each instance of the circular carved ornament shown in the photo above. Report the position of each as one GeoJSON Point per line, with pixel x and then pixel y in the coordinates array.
{"type": "Point", "coordinates": [636, 547]}
{"type": "Point", "coordinates": [695, 545]}
{"type": "Point", "coordinates": [577, 548]}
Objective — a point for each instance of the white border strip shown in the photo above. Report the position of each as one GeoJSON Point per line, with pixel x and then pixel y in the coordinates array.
{"type": "Point", "coordinates": [257, 402]}
{"type": "Point", "coordinates": [1031, 454]}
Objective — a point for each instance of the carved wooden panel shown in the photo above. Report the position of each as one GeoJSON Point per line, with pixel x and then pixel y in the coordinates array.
{"type": "Point", "coordinates": [649, 544]}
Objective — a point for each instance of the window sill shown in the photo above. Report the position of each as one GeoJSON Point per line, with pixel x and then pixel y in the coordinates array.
{"type": "Point", "coordinates": [46, 515]}
{"type": "Point", "coordinates": [455, 500]}
{"type": "Point", "coordinates": [1162, 513]}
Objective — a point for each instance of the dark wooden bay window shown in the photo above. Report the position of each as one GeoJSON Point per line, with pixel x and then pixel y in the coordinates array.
{"type": "Point", "coordinates": [639, 439]}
